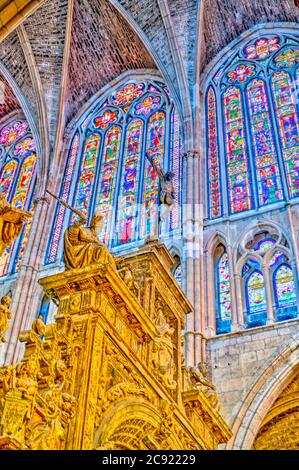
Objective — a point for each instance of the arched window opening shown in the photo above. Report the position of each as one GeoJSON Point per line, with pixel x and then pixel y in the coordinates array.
{"type": "Point", "coordinates": [223, 292]}
{"type": "Point", "coordinates": [252, 126]}
{"type": "Point", "coordinates": [256, 300]}
{"type": "Point", "coordinates": [177, 271]}
{"type": "Point", "coordinates": [284, 290]}
{"type": "Point", "coordinates": [47, 310]}
{"type": "Point", "coordinates": [108, 155]}
{"type": "Point", "coordinates": [264, 245]}
{"type": "Point", "coordinates": [275, 283]}
{"type": "Point", "coordinates": [18, 163]}
{"type": "Point", "coordinates": [44, 310]}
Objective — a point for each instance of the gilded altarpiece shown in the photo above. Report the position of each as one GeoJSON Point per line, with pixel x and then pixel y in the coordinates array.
{"type": "Point", "coordinates": [110, 373]}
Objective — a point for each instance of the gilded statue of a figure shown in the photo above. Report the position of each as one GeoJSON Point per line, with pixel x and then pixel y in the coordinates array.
{"type": "Point", "coordinates": [11, 223]}
{"type": "Point", "coordinates": [5, 315]}
{"type": "Point", "coordinates": [82, 246]}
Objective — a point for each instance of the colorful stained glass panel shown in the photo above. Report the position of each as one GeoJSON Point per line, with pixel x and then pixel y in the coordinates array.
{"type": "Point", "coordinates": [64, 195]}
{"type": "Point", "coordinates": [87, 173]}
{"type": "Point", "coordinates": [288, 127]}
{"type": "Point", "coordinates": [20, 199]}
{"type": "Point", "coordinates": [155, 148]}
{"type": "Point", "coordinates": [11, 134]}
{"type": "Point", "coordinates": [127, 202]}
{"type": "Point", "coordinates": [128, 94]}
{"type": "Point", "coordinates": [241, 73]}
{"type": "Point", "coordinates": [107, 180]}
{"type": "Point", "coordinates": [288, 58]}
{"type": "Point", "coordinates": [224, 292]}
{"type": "Point", "coordinates": [264, 245]}
{"type": "Point", "coordinates": [7, 178]}
{"type": "Point", "coordinates": [148, 104]}
{"type": "Point", "coordinates": [262, 48]}
{"type": "Point", "coordinates": [256, 293]}
{"type": "Point", "coordinates": [214, 184]}
{"type": "Point", "coordinates": [24, 147]}
{"type": "Point", "coordinates": [175, 152]}
{"type": "Point", "coordinates": [239, 190]}
{"type": "Point", "coordinates": [284, 286]}
{"type": "Point", "coordinates": [108, 117]}
{"type": "Point", "coordinates": [267, 170]}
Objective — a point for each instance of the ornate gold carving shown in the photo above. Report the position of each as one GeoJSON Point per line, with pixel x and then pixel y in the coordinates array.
{"type": "Point", "coordinates": [198, 379]}
{"type": "Point", "coordinates": [5, 315]}
{"type": "Point", "coordinates": [11, 223]}
{"type": "Point", "coordinates": [108, 373]}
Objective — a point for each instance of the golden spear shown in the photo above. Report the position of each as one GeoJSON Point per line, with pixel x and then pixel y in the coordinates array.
{"type": "Point", "coordinates": [65, 204]}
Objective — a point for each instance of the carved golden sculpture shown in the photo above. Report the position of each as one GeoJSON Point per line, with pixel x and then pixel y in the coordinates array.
{"type": "Point", "coordinates": [163, 349]}
{"type": "Point", "coordinates": [5, 315]}
{"type": "Point", "coordinates": [11, 223]}
{"type": "Point", "coordinates": [198, 379]}
{"type": "Point", "coordinates": [82, 246]}
{"type": "Point", "coordinates": [108, 373]}
{"type": "Point", "coordinates": [38, 326]}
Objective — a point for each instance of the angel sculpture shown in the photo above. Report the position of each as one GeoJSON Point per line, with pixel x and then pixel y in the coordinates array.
{"type": "Point", "coordinates": [167, 192]}
{"type": "Point", "coordinates": [11, 223]}
{"type": "Point", "coordinates": [5, 315]}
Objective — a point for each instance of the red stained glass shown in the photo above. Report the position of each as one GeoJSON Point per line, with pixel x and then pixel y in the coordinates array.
{"type": "Point", "coordinates": [128, 94]}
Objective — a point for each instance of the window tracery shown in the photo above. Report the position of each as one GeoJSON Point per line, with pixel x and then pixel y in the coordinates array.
{"type": "Point", "coordinates": [18, 163]}
{"type": "Point", "coordinates": [108, 154]}
{"type": "Point", "coordinates": [252, 97]}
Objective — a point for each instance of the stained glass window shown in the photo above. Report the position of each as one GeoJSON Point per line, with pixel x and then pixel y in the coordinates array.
{"type": "Point", "coordinates": [287, 119]}
{"type": "Point", "coordinates": [277, 258]}
{"type": "Point", "coordinates": [127, 203]}
{"type": "Point", "coordinates": [252, 126]}
{"type": "Point", "coordinates": [64, 195]}
{"type": "Point", "coordinates": [267, 171]}
{"type": "Point", "coordinates": [213, 159]}
{"type": "Point", "coordinates": [178, 274]}
{"type": "Point", "coordinates": [175, 163]}
{"type": "Point", "coordinates": [264, 245]}
{"type": "Point", "coordinates": [155, 147]}
{"type": "Point", "coordinates": [224, 291]}
{"type": "Point", "coordinates": [107, 181]}
{"type": "Point", "coordinates": [236, 152]}
{"type": "Point", "coordinates": [284, 286]}
{"type": "Point", "coordinates": [87, 173]}
{"type": "Point", "coordinates": [256, 293]}
{"type": "Point", "coordinates": [108, 158]}
{"type": "Point", "coordinates": [17, 175]}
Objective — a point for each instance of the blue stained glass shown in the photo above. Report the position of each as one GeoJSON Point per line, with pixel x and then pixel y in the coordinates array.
{"type": "Point", "coordinates": [284, 286]}
{"type": "Point", "coordinates": [255, 293]}
{"type": "Point", "coordinates": [113, 174]}
{"type": "Point", "coordinates": [224, 292]}
{"type": "Point", "coordinates": [264, 245]}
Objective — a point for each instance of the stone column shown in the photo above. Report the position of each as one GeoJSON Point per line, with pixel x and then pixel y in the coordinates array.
{"type": "Point", "coordinates": [193, 255]}
{"type": "Point", "coordinates": [27, 293]}
{"type": "Point", "coordinates": [270, 311]}
{"type": "Point", "coordinates": [239, 303]}
{"type": "Point", "coordinates": [210, 282]}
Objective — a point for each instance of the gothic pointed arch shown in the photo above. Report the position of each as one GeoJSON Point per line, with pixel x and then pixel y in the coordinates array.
{"type": "Point", "coordinates": [107, 169]}
{"type": "Point", "coordinates": [252, 125]}
{"type": "Point", "coordinates": [18, 172]}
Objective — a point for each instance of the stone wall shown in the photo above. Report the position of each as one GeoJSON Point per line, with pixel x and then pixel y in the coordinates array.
{"type": "Point", "coordinates": [225, 20]}
{"type": "Point", "coordinates": [238, 360]}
